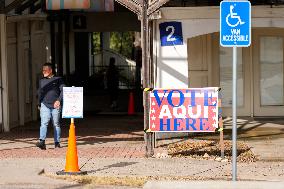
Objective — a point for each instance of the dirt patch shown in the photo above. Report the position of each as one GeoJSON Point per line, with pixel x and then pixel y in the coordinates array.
{"type": "Point", "coordinates": [208, 149]}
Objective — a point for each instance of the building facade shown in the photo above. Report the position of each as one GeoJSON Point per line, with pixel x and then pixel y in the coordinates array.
{"type": "Point", "coordinates": [202, 62]}
{"type": "Point", "coordinates": [29, 39]}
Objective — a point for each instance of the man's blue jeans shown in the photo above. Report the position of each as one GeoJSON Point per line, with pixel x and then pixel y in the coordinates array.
{"type": "Point", "coordinates": [46, 114]}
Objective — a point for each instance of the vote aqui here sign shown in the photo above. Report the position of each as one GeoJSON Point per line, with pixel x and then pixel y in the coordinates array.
{"type": "Point", "coordinates": [235, 23]}
{"type": "Point", "coordinates": [184, 110]}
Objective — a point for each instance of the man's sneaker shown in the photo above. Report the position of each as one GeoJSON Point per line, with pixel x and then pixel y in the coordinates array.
{"type": "Point", "coordinates": [57, 145]}
{"type": "Point", "coordinates": [41, 145]}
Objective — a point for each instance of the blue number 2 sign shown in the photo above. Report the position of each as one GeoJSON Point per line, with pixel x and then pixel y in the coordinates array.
{"type": "Point", "coordinates": [171, 33]}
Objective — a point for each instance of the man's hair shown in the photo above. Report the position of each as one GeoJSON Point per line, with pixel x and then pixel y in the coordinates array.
{"type": "Point", "coordinates": [48, 64]}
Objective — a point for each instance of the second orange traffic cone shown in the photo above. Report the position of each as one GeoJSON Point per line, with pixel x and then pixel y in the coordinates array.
{"type": "Point", "coordinates": [131, 110]}
{"type": "Point", "coordinates": [71, 166]}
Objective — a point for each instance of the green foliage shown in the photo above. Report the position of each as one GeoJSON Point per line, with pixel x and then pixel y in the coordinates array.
{"type": "Point", "coordinates": [120, 42]}
{"type": "Point", "coordinates": [96, 42]}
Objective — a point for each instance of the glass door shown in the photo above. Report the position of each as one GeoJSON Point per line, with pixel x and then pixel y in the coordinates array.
{"type": "Point", "coordinates": [223, 60]}
{"type": "Point", "coordinates": [268, 73]}
{"type": "Point", "coordinates": [243, 91]}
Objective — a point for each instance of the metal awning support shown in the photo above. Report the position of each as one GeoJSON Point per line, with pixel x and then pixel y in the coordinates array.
{"type": "Point", "coordinates": [2, 6]}
{"type": "Point", "coordinates": [13, 5]}
{"type": "Point", "coordinates": [144, 10]}
{"type": "Point", "coordinates": [25, 5]}
{"type": "Point", "coordinates": [132, 5]}
{"type": "Point", "coordinates": [155, 5]}
{"type": "Point", "coordinates": [20, 5]}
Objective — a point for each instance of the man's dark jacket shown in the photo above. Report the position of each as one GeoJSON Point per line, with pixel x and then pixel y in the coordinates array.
{"type": "Point", "coordinates": [50, 90]}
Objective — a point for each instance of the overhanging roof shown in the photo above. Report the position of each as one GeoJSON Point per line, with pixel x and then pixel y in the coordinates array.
{"type": "Point", "coordinates": [189, 3]}
{"type": "Point", "coordinates": [19, 6]}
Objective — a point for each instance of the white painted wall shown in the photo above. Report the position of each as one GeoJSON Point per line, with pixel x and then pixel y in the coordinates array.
{"type": "Point", "coordinates": [171, 62]}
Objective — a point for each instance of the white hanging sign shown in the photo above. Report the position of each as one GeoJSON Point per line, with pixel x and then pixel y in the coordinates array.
{"type": "Point", "coordinates": [72, 102]}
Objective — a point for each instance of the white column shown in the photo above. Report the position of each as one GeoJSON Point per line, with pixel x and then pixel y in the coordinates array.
{"type": "Point", "coordinates": [35, 66]}
{"type": "Point", "coordinates": [106, 40]}
{"type": "Point", "coordinates": [90, 53]}
{"type": "Point", "coordinates": [106, 45]}
{"type": "Point", "coordinates": [4, 74]}
{"type": "Point", "coordinates": [21, 68]}
{"type": "Point", "coordinates": [47, 41]}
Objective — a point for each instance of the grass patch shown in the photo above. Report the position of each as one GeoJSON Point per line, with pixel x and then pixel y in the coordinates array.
{"type": "Point", "coordinates": [104, 180]}
{"type": "Point", "coordinates": [133, 181]}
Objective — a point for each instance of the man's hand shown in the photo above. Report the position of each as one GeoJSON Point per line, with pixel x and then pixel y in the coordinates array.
{"type": "Point", "coordinates": [56, 104]}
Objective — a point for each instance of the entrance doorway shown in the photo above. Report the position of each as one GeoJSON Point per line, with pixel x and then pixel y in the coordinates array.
{"type": "Point", "coordinates": [243, 81]}
{"type": "Point", "coordinates": [260, 81]}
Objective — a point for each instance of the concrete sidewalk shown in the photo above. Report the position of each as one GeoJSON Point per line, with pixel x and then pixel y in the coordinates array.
{"type": "Point", "coordinates": [264, 136]}
{"type": "Point", "coordinates": [213, 185]}
{"type": "Point", "coordinates": [22, 173]}
{"type": "Point", "coordinates": [25, 170]}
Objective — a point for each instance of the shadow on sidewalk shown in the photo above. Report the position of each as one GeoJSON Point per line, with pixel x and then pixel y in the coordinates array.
{"type": "Point", "coordinates": [116, 165]}
{"type": "Point", "coordinates": [91, 130]}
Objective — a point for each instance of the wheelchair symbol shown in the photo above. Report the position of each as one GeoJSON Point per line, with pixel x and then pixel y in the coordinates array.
{"type": "Point", "coordinates": [233, 16]}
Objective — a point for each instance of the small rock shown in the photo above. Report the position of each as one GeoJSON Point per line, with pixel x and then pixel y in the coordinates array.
{"type": "Point", "coordinates": [218, 159]}
{"type": "Point", "coordinates": [224, 160]}
{"type": "Point", "coordinates": [164, 155]}
{"type": "Point", "coordinates": [158, 155]}
{"type": "Point", "coordinates": [206, 155]}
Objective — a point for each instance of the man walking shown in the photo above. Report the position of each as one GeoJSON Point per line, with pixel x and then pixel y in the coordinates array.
{"type": "Point", "coordinates": [50, 94]}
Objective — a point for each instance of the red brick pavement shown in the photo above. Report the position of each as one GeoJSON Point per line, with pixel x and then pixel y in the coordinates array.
{"type": "Point", "coordinates": [98, 136]}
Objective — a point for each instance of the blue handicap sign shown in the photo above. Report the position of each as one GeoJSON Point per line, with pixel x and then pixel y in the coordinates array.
{"type": "Point", "coordinates": [235, 23]}
{"type": "Point", "coordinates": [171, 33]}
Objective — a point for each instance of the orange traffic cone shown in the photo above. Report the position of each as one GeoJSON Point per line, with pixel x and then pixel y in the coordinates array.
{"type": "Point", "coordinates": [131, 110]}
{"type": "Point", "coordinates": [71, 166]}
